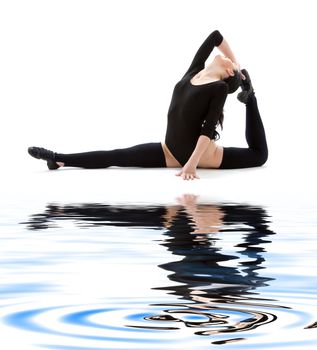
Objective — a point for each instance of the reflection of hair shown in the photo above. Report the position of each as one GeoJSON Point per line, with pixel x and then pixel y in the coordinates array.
{"type": "Point", "coordinates": [233, 82]}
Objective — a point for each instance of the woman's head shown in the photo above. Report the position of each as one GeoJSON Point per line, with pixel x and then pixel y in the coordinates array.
{"type": "Point", "coordinates": [233, 81]}
{"type": "Point", "coordinates": [229, 72]}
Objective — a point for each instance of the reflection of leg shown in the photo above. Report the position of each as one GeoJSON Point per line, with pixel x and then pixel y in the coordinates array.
{"type": "Point", "coordinates": [257, 153]}
{"type": "Point", "coordinates": [147, 155]}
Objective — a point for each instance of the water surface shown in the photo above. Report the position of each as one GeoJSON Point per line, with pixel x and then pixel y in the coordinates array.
{"type": "Point", "coordinates": [185, 275]}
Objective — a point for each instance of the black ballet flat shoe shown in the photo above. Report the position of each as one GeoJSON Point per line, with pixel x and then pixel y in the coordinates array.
{"type": "Point", "coordinates": [246, 86]}
{"type": "Point", "coordinates": [45, 154]}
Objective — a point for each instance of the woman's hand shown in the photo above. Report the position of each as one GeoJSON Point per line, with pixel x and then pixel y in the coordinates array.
{"type": "Point", "coordinates": [188, 172]}
{"type": "Point", "coordinates": [238, 66]}
{"type": "Point", "coordinates": [226, 50]}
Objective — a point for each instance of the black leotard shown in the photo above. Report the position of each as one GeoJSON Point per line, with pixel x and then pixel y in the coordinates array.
{"type": "Point", "coordinates": [195, 109]}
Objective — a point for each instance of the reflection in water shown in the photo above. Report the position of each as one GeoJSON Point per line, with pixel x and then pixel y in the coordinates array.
{"type": "Point", "coordinates": [219, 288]}
{"type": "Point", "coordinates": [205, 279]}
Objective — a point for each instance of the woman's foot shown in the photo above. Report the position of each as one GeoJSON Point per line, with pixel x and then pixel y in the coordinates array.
{"type": "Point", "coordinates": [45, 154]}
{"type": "Point", "coordinates": [246, 86]}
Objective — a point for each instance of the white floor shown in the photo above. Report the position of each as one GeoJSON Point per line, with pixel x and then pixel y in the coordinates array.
{"type": "Point", "coordinates": [268, 185]}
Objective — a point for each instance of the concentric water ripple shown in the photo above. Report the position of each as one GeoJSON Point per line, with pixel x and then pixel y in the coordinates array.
{"type": "Point", "coordinates": [144, 324]}
{"type": "Point", "coordinates": [98, 325]}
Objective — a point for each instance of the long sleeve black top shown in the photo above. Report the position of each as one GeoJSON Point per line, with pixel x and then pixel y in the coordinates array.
{"type": "Point", "coordinates": [195, 109]}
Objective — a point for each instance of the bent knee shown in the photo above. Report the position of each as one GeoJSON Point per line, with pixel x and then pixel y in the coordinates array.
{"type": "Point", "coordinates": [261, 158]}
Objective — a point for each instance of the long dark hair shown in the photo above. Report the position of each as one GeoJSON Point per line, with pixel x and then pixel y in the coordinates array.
{"type": "Point", "coordinates": [233, 82]}
{"type": "Point", "coordinates": [216, 135]}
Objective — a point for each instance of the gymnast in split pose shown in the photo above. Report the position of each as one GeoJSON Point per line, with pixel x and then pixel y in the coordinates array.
{"type": "Point", "coordinates": [195, 111]}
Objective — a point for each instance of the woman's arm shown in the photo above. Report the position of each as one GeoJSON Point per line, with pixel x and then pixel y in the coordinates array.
{"type": "Point", "coordinates": [220, 93]}
{"type": "Point", "coordinates": [188, 171]}
{"type": "Point", "coordinates": [226, 50]}
{"type": "Point", "coordinates": [213, 39]}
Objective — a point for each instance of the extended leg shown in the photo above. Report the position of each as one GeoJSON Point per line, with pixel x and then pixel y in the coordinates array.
{"type": "Point", "coordinates": [147, 155]}
{"type": "Point", "coordinates": [257, 153]}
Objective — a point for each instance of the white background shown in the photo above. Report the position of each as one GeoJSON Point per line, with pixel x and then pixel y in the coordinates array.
{"type": "Point", "coordinates": [88, 75]}
{"type": "Point", "coordinates": [85, 75]}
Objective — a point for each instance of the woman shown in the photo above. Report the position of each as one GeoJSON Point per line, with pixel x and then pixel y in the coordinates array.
{"type": "Point", "coordinates": [196, 109]}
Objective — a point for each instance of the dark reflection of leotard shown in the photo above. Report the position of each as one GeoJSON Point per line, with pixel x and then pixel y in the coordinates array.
{"type": "Point", "coordinates": [206, 276]}
{"type": "Point", "coordinates": [201, 265]}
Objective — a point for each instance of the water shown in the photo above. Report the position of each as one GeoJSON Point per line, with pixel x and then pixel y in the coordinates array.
{"type": "Point", "coordinates": [186, 275]}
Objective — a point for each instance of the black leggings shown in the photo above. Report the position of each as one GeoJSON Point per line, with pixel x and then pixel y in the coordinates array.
{"type": "Point", "coordinates": [151, 155]}
{"type": "Point", "coordinates": [257, 153]}
{"type": "Point", "coordinates": [146, 155]}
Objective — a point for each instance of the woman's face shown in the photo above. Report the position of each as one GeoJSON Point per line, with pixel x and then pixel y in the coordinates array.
{"type": "Point", "coordinates": [225, 61]}
{"type": "Point", "coordinates": [227, 64]}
